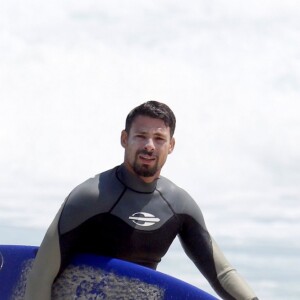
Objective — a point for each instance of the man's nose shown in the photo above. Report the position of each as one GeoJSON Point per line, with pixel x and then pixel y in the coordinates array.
{"type": "Point", "coordinates": [149, 145]}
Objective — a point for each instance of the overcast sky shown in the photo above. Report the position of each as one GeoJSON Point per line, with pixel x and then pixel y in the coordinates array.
{"type": "Point", "coordinates": [70, 71]}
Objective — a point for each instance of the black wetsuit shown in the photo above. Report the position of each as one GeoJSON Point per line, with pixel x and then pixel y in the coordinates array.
{"type": "Point", "coordinates": [117, 214]}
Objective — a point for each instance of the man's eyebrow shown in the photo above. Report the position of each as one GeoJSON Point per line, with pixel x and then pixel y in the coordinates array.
{"type": "Point", "coordinates": [141, 131]}
{"type": "Point", "coordinates": [160, 133]}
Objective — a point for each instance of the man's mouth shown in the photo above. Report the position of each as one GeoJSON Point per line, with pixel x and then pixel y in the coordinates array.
{"type": "Point", "coordinates": [147, 158]}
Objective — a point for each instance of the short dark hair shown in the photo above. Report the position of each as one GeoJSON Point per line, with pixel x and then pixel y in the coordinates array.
{"type": "Point", "coordinates": [153, 109]}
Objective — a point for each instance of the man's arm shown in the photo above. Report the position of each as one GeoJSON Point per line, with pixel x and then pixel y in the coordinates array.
{"type": "Point", "coordinates": [58, 246]}
{"type": "Point", "coordinates": [207, 256]}
{"type": "Point", "coordinates": [229, 278]}
{"type": "Point", "coordinates": [46, 265]}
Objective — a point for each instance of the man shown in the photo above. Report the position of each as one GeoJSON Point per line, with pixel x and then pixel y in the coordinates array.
{"type": "Point", "coordinates": [116, 199]}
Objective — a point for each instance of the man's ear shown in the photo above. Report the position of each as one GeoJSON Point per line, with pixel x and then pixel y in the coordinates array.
{"type": "Point", "coordinates": [172, 145]}
{"type": "Point", "coordinates": [124, 137]}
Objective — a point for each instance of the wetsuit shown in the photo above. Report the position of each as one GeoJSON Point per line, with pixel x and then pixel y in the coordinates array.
{"type": "Point", "coordinates": [117, 214]}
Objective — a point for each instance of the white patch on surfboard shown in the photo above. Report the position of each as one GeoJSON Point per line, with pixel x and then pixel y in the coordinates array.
{"type": "Point", "coordinates": [1, 261]}
{"type": "Point", "coordinates": [86, 282]}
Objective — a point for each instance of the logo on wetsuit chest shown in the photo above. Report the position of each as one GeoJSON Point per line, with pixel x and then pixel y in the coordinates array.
{"type": "Point", "coordinates": [143, 219]}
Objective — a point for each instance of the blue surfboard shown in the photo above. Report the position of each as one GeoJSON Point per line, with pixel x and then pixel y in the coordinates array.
{"type": "Point", "coordinates": [93, 277]}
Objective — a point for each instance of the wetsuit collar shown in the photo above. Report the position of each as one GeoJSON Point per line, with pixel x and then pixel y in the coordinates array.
{"type": "Point", "coordinates": [134, 182]}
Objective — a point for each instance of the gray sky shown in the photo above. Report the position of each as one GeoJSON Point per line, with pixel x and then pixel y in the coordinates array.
{"type": "Point", "coordinates": [71, 71]}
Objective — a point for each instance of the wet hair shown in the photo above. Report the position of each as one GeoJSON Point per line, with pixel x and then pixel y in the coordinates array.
{"type": "Point", "coordinates": [153, 109]}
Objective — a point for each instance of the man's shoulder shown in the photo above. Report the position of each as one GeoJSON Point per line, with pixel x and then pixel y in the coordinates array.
{"type": "Point", "coordinates": [167, 186]}
{"type": "Point", "coordinates": [84, 201]}
{"type": "Point", "coordinates": [90, 188]}
{"type": "Point", "coordinates": [175, 195]}
{"type": "Point", "coordinates": [179, 199]}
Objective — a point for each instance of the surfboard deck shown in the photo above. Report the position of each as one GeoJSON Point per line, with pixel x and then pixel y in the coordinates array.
{"type": "Point", "coordinates": [93, 277]}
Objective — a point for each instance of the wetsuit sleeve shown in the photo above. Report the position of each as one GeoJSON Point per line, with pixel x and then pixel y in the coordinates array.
{"type": "Point", "coordinates": [61, 239]}
{"type": "Point", "coordinates": [46, 265]}
{"type": "Point", "coordinates": [207, 256]}
{"type": "Point", "coordinates": [229, 278]}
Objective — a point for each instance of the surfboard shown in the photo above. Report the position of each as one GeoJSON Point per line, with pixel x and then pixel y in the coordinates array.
{"type": "Point", "coordinates": [93, 277]}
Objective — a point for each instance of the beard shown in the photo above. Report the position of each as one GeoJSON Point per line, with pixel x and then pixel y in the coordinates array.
{"type": "Point", "coordinates": [143, 169]}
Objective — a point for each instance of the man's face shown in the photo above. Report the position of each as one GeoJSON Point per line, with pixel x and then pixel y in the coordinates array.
{"type": "Point", "coordinates": [147, 146]}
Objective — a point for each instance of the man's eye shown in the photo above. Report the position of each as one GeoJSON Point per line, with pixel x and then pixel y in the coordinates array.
{"type": "Point", "coordinates": [159, 138]}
